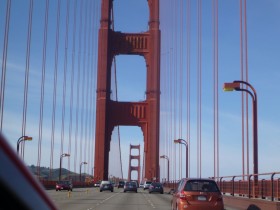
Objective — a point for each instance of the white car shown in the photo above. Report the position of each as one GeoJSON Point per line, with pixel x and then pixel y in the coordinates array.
{"type": "Point", "coordinates": [147, 184]}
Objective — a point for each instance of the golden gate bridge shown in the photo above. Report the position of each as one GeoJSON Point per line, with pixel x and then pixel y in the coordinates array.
{"type": "Point", "coordinates": [49, 78]}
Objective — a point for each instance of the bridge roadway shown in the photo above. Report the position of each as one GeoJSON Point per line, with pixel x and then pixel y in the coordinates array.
{"type": "Point", "coordinates": [92, 199]}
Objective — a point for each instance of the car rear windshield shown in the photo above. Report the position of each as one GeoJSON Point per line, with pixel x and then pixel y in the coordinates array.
{"type": "Point", "coordinates": [157, 184]}
{"type": "Point", "coordinates": [201, 185]}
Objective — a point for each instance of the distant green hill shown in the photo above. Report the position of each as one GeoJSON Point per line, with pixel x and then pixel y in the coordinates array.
{"type": "Point", "coordinates": [45, 173]}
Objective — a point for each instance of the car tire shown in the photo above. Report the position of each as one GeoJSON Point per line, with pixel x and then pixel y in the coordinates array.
{"type": "Point", "coordinates": [100, 190]}
{"type": "Point", "coordinates": [124, 191]}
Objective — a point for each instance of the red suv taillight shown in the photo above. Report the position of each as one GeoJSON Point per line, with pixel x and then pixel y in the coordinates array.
{"type": "Point", "coordinates": [182, 195]}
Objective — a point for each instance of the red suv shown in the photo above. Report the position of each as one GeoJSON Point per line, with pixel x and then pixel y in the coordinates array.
{"type": "Point", "coordinates": [197, 194]}
{"type": "Point", "coordinates": [64, 185]}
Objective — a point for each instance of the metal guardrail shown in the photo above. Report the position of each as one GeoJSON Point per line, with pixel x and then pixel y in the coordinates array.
{"type": "Point", "coordinates": [250, 186]}
{"type": "Point", "coordinates": [51, 184]}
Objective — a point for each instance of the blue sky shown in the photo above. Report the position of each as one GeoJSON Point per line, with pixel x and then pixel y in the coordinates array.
{"type": "Point", "coordinates": [263, 67]}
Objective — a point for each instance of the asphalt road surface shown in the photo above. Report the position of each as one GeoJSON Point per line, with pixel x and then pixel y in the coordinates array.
{"type": "Point", "coordinates": [92, 199]}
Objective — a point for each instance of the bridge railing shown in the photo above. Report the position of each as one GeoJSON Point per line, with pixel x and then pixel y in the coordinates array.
{"type": "Point", "coordinates": [264, 186]}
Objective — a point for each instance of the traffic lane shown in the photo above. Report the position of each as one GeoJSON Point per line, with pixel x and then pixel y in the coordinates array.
{"type": "Point", "coordinates": [91, 198]}
{"type": "Point", "coordinates": [135, 201]}
{"type": "Point", "coordinates": [84, 199]}
{"type": "Point", "coordinates": [79, 198]}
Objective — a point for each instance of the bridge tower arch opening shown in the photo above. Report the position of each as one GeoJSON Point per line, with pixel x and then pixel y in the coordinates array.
{"type": "Point", "coordinates": [144, 114]}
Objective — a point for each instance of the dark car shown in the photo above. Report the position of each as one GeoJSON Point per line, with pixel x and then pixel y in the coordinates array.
{"type": "Point", "coordinates": [196, 194]}
{"type": "Point", "coordinates": [130, 186]}
{"type": "Point", "coordinates": [106, 185]}
{"type": "Point", "coordinates": [121, 184]}
{"type": "Point", "coordinates": [64, 185]}
{"type": "Point", "coordinates": [156, 187]}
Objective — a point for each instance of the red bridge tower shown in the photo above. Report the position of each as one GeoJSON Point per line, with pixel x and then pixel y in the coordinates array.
{"type": "Point", "coordinates": [111, 113]}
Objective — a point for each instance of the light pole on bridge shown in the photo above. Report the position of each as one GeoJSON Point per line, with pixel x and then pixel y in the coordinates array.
{"type": "Point", "coordinates": [184, 142]}
{"type": "Point", "coordinates": [22, 138]}
{"type": "Point", "coordinates": [81, 170]}
{"type": "Point", "coordinates": [166, 157]}
{"type": "Point", "coordinates": [235, 85]}
{"type": "Point", "coordinates": [61, 156]}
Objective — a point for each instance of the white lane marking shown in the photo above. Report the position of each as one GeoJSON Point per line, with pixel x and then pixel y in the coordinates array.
{"type": "Point", "coordinates": [100, 203]}
{"type": "Point", "coordinates": [149, 201]}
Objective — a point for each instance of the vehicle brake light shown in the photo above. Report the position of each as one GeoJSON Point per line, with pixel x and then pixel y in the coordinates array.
{"type": "Point", "coordinates": [182, 195]}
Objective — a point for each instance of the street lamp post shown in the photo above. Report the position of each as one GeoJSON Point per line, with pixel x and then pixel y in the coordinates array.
{"type": "Point", "coordinates": [61, 156]}
{"type": "Point", "coordinates": [22, 138]}
{"type": "Point", "coordinates": [81, 170]}
{"type": "Point", "coordinates": [235, 85]}
{"type": "Point", "coordinates": [182, 141]}
{"type": "Point", "coordinates": [166, 157]}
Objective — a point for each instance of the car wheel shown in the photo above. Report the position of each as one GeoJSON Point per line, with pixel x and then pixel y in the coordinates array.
{"type": "Point", "coordinates": [124, 191]}
{"type": "Point", "coordinates": [150, 192]}
{"type": "Point", "coordinates": [100, 190]}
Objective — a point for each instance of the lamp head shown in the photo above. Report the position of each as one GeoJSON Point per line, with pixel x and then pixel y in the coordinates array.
{"type": "Point", "coordinates": [231, 86]}
{"type": "Point", "coordinates": [66, 155]}
{"type": "Point", "coordinates": [177, 141]}
{"type": "Point", "coordinates": [27, 138]}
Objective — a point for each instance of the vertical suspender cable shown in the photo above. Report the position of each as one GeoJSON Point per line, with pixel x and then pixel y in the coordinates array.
{"type": "Point", "coordinates": [243, 56]}
{"type": "Point", "coordinates": [188, 76]}
{"type": "Point", "coordinates": [4, 61]}
{"type": "Point", "coordinates": [181, 74]}
{"type": "Point", "coordinates": [90, 82]}
{"type": "Point", "coordinates": [78, 89]}
{"type": "Point", "coordinates": [55, 83]}
{"type": "Point", "coordinates": [83, 136]}
{"type": "Point", "coordinates": [176, 102]}
{"type": "Point", "coordinates": [24, 111]}
{"type": "Point", "coordinates": [65, 70]}
{"type": "Point", "coordinates": [247, 78]}
{"type": "Point", "coordinates": [199, 47]}
{"type": "Point", "coordinates": [241, 72]}
{"type": "Point", "coordinates": [72, 76]}
{"type": "Point", "coordinates": [43, 85]}
{"type": "Point", "coordinates": [215, 86]}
